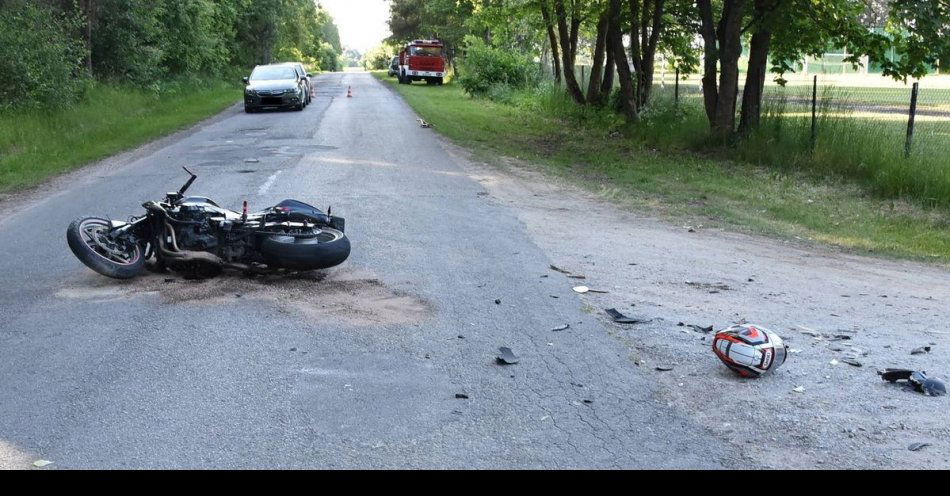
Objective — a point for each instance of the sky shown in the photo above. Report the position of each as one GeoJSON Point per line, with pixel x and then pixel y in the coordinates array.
{"type": "Point", "coordinates": [362, 23]}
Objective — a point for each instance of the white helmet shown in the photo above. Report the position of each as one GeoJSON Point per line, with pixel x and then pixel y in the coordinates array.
{"type": "Point", "coordinates": [749, 350]}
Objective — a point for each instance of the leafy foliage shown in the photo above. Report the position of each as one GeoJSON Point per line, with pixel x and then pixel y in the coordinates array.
{"type": "Point", "coordinates": [38, 57]}
{"type": "Point", "coordinates": [485, 67]}
{"type": "Point", "coordinates": [48, 47]}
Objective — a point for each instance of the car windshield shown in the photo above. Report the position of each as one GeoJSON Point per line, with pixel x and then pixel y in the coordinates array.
{"type": "Point", "coordinates": [270, 73]}
{"type": "Point", "coordinates": [429, 51]}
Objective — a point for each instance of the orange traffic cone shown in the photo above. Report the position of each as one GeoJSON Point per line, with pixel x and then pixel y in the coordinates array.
{"type": "Point", "coordinates": [349, 92]}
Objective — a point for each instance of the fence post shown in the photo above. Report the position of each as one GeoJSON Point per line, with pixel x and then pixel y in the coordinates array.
{"type": "Point", "coordinates": [676, 88]}
{"type": "Point", "coordinates": [814, 114]}
{"type": "Point", "coordinates": [910, 120]}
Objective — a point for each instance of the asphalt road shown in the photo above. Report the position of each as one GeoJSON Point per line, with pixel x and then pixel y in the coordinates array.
{"type": "Point", "coordinates": [99, 373]}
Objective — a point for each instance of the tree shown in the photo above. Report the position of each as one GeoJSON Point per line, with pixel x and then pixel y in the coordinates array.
{"type": "Point", "coordinates": [783, 31]}
{"type": "Point", "coordinates": [628, 98]}
{"type": "Point", "coordinates": [568, 24]}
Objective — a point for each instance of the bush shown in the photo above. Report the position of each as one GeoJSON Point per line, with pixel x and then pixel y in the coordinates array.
{"type": "Point", "coordinates": [127, 45]}
{"type": "Point", "coordinates": [487, 69]}
{"type": "Point", "coordinates": [40, 61]}
{"type": "Point", "coordinates": [378, 58]}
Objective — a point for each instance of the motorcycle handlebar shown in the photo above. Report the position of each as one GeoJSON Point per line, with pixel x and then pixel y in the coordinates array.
{"type": "Point", "coordinates": [187, 184]}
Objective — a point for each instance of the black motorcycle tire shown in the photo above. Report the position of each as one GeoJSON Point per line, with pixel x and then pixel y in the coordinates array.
{"type": "Point", "coordinates": [95, 260]}
{"type": "Point", "coordinates": [306, 253]}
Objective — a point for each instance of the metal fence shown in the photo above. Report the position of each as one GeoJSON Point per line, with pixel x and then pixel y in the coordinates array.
{"type": "Point", "coordinates": [913, 117]}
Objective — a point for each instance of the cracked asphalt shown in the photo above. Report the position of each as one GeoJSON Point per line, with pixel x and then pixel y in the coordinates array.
{"type": "Point", "coordinates": [97, 374]}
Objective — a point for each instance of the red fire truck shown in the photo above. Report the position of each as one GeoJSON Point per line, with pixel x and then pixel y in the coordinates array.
{"type": "Point", "coordinates": [422, 60]}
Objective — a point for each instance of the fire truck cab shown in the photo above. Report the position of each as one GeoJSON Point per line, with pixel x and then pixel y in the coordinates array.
{"type": "Point", "coordinates": [422, 60]}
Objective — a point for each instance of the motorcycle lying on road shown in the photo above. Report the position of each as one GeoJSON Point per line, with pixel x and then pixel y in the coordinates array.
{"type": "Point", "coordinates": [193, 235]}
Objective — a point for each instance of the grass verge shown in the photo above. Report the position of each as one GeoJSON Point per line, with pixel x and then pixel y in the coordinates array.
{"type": "Point", "coordinates": [35, 145]}
{"type": "Point", "coordinates": [596, 150]}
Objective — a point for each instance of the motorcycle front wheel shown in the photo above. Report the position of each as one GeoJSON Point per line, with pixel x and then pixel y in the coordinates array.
{"type": "Point", "coordinates": [89, 240]}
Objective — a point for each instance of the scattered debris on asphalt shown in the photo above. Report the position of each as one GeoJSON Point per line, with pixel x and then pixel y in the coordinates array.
{"type": "Point", "coordinates": [851, 361]}
{"type": "Point", "coordinates": [917, 446]}
{"type": "Point", "coordinates": [558, 269]}
{"type": "Point", "coordinates": [710, 286]}
{"type": "Point", "coordinates": [621, 318]}
{"type": "Point", "coordinates": [251, 161]}
{"type": "Point", "coordinates": [585, 289]}
{"type": "Point", "coordinates": [561, 328]}
{"type": "Point", "coordinates": [497, 301]}
{"type": "Point", "coordinates": [823, 335]}
{"type": "Point", "coordinates": [663, 368]}
{"type": "Point", "coordinates": [799, 389]}
{"type": "Point", "coordinates": [461, 396]}
{"type": "Point", "coordinates": [572, 276]}
{"type": "Point", "coordinates": [506, 357]}
{"type": "Point", "coordinates": [423, 123]}
{"type": "Point", "coordinates": [916, 380]}
{"type": "Point", "coordinates": [41, 463]}
{"type": "Point", "coordinates": [704, 330]}
{"type": "Point", "coordinates": [920, 351]}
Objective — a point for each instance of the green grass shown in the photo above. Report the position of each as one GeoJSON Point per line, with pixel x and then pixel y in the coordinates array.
{"type": "Point", "coordinates": [35, 144]}
{"type": "Point", "coordinates": [655, 167]}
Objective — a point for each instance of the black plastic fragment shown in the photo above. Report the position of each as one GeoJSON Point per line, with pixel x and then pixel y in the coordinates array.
{"type": "Point", "coordinates": [917, 379]}
{"type": "Point", "coordinates": [851, 361]}
{"type": "Point", "coordinates": [461, 396]}
{"type": "Point", "coordinates": [704, 330]}
{"type": "Point", "coordinates": [918, 446]}
{"type": "Point", "coordinates": [920, 351]}
{"type": "Point", "coordinates": [621, 318]}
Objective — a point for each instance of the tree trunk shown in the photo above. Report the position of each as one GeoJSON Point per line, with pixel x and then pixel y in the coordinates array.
{"type": "Point", "coordinates": [597, 66]}
{"type": "Point", "coordinates": [552, 38]}
{"type": "Point", "coordinates": [645, 77]}
{"type": "Point", "coordinates": [88, 12]}
{"type": "Point", "coordinates": [710, 58]}
{"type": "Point", "coordinates": [607, 85]}
{"type": "Point", "coordinates": [628, 98]}
{"type": "Point", "coordinates": [636, 53]}
{"type": "Point", "coordinates": [755, 81]}
{"type": "Point", "coordinates": [730, 48]}
{"type": "Point", "coordinates": [568, 39]}
{"type": "Point", "coordinates": [755, 77]}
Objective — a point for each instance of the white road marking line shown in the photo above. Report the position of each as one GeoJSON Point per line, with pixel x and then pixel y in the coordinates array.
{"type": "Point", "coordinates": [267, 184]}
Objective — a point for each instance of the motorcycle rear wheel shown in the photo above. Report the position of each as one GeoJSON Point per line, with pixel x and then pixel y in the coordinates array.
{"type": "Point", "coordinates": [327, 248]}
{"type": "Point", "coordinates": [112, 258]}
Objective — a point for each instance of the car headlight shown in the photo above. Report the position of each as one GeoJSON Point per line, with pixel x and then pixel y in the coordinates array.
{"type": "Point", "coordinates": [250, 92]}
{"type": "Point", "coordinates": [290, 90]}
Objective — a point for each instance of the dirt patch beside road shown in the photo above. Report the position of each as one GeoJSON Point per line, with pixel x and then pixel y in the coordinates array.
{"type": "Point", "coordinates": [345, 294]}
{"type": "Point", "coordinates": [845, 415]}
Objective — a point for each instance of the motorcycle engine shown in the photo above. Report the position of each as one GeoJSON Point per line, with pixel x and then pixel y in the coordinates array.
{"type": "Point", "coordinates": [200, 236]}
